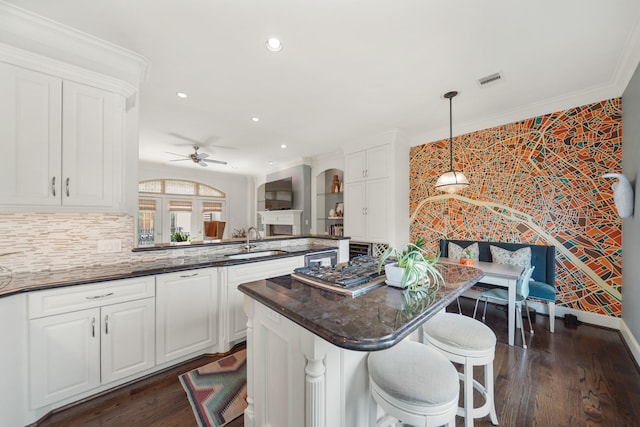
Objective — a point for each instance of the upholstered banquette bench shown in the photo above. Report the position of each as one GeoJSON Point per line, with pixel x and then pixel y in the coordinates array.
{"type": "Point", "coordinates": [543, 285]}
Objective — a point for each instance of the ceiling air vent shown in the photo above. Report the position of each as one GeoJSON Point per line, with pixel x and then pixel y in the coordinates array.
{"type": "Point", "coordinates": [483, 81]}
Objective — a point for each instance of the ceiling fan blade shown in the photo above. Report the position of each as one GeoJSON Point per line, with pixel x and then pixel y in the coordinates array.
{"type": "Point", "coordinates": [203, 155]}
{"type": "Point", "coordinates": [186, 138]}
{"type": "Point", "coordinates": [202, 163]}
{"type": "Point", "coordinates": [178, 160]}
{"type": "Point", "coordinates": [176, 154]}
{"type": "Point", "coordinates": [220, 162]}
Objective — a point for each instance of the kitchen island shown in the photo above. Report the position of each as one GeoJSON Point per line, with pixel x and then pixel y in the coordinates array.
{"type": "Point", "coordinates": [307, 347]}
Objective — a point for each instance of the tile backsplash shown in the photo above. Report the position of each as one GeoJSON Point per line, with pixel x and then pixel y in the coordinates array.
{"type": "Point", "coordinates": [35, 242]}
{"type": "Point", "coordinates": [55, 241]}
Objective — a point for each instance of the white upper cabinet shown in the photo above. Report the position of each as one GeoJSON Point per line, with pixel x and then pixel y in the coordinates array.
{"type": "Point", "coordinates": [60, 142]}
{"type": "Point", "coordinates": [92, 124]}
{"type": "Point", "coordinates": [30, 137]}
{"type": "Point", "coordinates": [376, 194]}
{"type": "Point", "coordinates": [364, 165]}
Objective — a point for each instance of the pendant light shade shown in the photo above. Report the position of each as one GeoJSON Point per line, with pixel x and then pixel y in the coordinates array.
{"type": "Point", "coordinates": [451, 181]}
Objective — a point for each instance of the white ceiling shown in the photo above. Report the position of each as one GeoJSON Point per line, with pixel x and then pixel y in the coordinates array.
{"type": "Point", "coordinates": [353, 68]}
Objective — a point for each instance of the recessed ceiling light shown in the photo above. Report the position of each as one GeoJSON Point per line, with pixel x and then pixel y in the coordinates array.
{"type": "Point", "coordinates": [274, 45]}
{"type": "Point", "coordinates": [283, 145]}
{"type": "Point", "coordinates": [270, 162]}
{"type": "Point", "coordinates": [255, 119]}
{"type": "Point", "coordinates": [181, 94]}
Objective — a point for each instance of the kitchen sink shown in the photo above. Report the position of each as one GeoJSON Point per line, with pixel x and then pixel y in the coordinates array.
{"type": "Point", "coordinates": [258, 254]}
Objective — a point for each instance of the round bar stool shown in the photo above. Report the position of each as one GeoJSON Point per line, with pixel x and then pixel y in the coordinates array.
{"type": "Point", "coordinates": [471, 343]}
{"type": "Point", "coordinates": [414, 384]}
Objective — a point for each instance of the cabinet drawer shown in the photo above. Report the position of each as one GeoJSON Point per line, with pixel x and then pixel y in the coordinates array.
{"type": "Point", "coordinates": [73, 298]}
{"type": "Point", "coordinates": [262, 270]}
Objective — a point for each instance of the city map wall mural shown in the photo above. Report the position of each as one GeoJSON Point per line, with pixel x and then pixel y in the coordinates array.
{"type": "Point", "coordinates": [536, 181]}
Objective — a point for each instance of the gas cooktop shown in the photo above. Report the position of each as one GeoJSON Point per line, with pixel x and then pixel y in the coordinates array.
{"type": "Point", "coordinates": [359, 276]}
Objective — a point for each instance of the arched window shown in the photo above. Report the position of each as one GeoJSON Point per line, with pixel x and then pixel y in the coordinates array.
{"type": "Point", "coordinates": [177, 210]}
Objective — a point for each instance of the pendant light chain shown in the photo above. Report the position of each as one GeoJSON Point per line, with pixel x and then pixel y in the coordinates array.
{"type": "Point", "coordinates": [451, 181]}
{"type": "Point", "coordinates": [450, 133]}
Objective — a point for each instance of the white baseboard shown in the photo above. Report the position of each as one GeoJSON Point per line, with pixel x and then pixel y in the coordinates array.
{"type": "Point", "coordinates": [583, 316]}
{"type": "Point", "coordinates": [631, 341]}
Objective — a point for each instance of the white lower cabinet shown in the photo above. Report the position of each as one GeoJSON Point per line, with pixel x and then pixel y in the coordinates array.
{"type": "Point", "coordinates": [127, 339]}
{"type": "Point", "coordinates": [64, 356]}
{"type": "Point", "coordinates": [94, 343]}
{"type": "Point", "coordinates": [186, 313]}
{"type": "Point", "coordinates": [237, 274]}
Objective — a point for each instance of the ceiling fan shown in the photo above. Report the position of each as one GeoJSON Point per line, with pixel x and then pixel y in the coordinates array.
{"type": "Point", "coordinates": [199, 158]}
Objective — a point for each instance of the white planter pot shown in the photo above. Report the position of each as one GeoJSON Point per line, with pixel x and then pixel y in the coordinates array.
{"type": "Point", "coordinates": [394, 275]}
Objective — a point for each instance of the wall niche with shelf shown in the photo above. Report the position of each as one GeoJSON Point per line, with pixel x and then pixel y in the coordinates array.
{"type": "Point", "coordinates": [330, 202]}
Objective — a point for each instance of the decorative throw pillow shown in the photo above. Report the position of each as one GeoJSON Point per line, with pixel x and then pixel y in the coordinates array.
{"type": "Point", "coordinates": [521, 257]}
{"type": "Point", "coordinates": [457, 252]}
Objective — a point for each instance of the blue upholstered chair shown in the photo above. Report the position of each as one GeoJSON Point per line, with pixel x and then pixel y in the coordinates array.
{"type": "Point", "coordinates": [502, 294]}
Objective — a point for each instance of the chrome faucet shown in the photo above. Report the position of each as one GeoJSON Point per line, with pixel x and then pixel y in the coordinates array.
{"type": "Point", "coordinates": [248, 245]}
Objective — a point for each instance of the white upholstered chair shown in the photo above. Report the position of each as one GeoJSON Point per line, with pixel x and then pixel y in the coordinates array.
{"type": "Point", "coordinates": [469, 342]}
{"type": "Point", "coordinates": [413, 384]}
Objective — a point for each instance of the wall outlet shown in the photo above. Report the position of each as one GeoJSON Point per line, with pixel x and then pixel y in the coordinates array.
{"type": "Point", "coordinates": [106, 246]}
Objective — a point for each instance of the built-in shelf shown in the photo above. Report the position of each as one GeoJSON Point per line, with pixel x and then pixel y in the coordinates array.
{"type": "Point", "coordinates": [327, 200]}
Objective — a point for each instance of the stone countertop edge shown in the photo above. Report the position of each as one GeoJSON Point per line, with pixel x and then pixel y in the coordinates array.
{"type": "Point", "coordinates": [331, 316]}
{"type": "Point", "coordinates": [82, 276]}
{"type": "Point", "coordinates": [232, 241]}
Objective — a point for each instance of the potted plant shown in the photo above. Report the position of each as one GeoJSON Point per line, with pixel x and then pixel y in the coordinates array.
{"type": "Point", "coordinates": [179, 237]}
{"type": "Point", "coordinates": [413, 269]}
{"type": "Point", "coordinates": [467, 259]}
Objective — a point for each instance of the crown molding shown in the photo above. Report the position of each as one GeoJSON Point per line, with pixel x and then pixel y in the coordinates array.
{"type": "Point", "coordinates": [34, 33]}
{"type": "Point", "coordinates": [30, 60]}
{"type": "Point", "coordinates": [547, 106]}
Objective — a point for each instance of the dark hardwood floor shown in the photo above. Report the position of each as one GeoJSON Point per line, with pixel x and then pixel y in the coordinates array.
{"type": "Point", "coordinates": [582, 376]}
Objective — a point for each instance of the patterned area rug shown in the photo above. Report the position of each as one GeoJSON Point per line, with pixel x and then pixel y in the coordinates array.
{"type": "Point", "coordinates": [218, 391]}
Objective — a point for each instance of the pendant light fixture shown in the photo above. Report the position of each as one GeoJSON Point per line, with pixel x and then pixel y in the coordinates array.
{"type": "Point", "coordinates": [451, 181]}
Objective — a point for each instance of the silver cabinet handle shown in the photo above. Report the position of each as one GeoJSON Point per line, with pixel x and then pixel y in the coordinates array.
{"type": "Point", "coordinates": [106, 324]}
{"type": "Point", "coordinates": [100, 296]}
{"type": "Point", "coordinates": [363, 175]}
{"type": "Point", "coordinates": [93, 327]}
{"type": "Point", "coordinates": [184, 276]}
{"type": "Point", "coordinates": [53, 186]}
{"type": "Point", "coordinates": [67, 185]}
{"type": "Point", "coordinates": [366, 173]}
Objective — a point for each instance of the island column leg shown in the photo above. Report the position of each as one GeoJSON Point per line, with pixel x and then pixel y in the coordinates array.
{"type": "Point", "coordinates": [249, 417]}
{"type": "Point", "coordinates": [315, 404]}
{"type": "Point", "coordinates": [315, 371]}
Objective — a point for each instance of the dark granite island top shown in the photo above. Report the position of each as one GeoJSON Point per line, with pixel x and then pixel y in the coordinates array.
{"type": "Point", "coordinates": [374, 321]}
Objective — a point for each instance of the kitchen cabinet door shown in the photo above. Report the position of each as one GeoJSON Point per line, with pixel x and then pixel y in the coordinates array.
{"type": "Point", "coordinates": [376, 211]}
{"type": "Point", "coordinates": [366, 210]}
{"type": "Point", "coordinates": [354, 211]}
{"type": "Point", "coordinates": [64, 355]}
{"type": "Point", "coordinates": [186, 313]}
{"type": "Point", "coordinates": [127, 339]}
{"type": "Point", "coordinates": [378, 159]}
{"type": "Point", "coordinates": [372, 163]}
{"type": "Point", "coordinates": [355, 166]}
{"type": "Point", "coordinates": [92, 127]}
{"type": "Point", "coordinates": [30, 137]}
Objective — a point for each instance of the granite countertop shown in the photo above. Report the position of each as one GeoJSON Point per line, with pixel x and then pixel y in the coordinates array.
{"type": "Point", "coordinates": [374, 321]}
{"type": "Point", "coordinates": [13, 283]}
